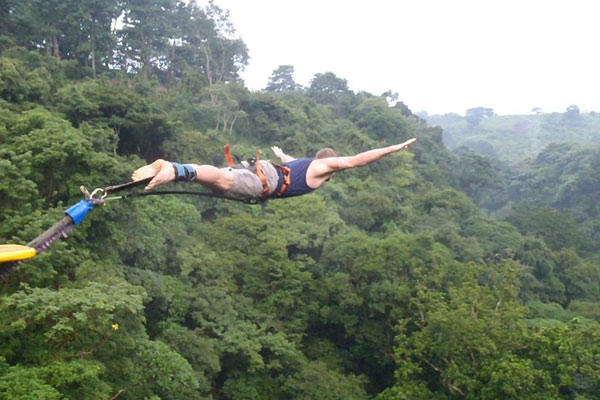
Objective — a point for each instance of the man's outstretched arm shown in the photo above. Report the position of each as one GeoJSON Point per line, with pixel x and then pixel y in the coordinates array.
{"type": "Point", "coordinates": [281, 155]}
{"type": "Point", "coordinates": [326, 166]}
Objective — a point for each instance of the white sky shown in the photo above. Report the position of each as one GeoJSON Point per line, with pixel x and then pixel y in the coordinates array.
{"type": "Point", "coordinates": [439, 56]}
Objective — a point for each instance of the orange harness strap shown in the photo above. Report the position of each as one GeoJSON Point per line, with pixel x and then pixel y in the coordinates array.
{"type": "Point", "coordinates": [285, 171]}
{"type": "Point", "coordinates": [228, 157]}
{"type": "Point", "coordinates": [261, 176]}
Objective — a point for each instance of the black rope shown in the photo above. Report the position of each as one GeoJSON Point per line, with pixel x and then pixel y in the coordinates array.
{"type": "Point", "coordinates": [128, 185]}
{"type": "Point", "coordinates": [192, 193]}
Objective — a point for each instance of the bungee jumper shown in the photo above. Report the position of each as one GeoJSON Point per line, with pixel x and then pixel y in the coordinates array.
{"type": "Point", "coordinates": [260, 180]}
{"type": "Point", "coordinates": [251, 182]}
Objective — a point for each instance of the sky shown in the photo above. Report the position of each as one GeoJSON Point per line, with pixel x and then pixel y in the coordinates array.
{"type": "Point", "coordinates": [440, 56]}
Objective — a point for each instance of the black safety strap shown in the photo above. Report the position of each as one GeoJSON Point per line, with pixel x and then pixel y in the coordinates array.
{"type": "Point", "coordinates": [125, 186]}
{"type": "Point", "coordinates": [186, 192]}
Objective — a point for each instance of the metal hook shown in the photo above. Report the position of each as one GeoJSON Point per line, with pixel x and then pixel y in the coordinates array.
{"type": "Point", "coordinates": [101, 194]}
{"type": "Point", "coordinates": [96, 195]}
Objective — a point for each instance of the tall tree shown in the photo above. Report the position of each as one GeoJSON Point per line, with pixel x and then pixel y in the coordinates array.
{"type": "Point", "coordinates": [145, 34]}
{"type": "Point", "coordinates": [327, 87]}
{"type": "Point", "coordinates": [96, 19]}
{"type": "Point", "coordinates": [177, 28]}
{"type": "Point", "coordinates": [222, 55]}
{"type": "Point", "coordinates": [572, 113]}
{"type": "Point", "coordinates": [48, 22]}
{"type": "Point", "coordinates": [282, 79]}
{"type": "Point", "coordinates": [476, 114]}
{"type": "Point", "coordinates": [7, 17]}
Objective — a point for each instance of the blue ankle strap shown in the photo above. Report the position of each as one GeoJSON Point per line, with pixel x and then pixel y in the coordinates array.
{"type": "Point", "coordinates": [184, 172]}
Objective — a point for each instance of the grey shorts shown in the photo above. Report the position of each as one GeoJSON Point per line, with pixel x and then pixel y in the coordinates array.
{"type": "Point", "coordinates": [247, 185]}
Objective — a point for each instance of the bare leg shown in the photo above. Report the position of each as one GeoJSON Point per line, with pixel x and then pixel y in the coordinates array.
{"type": "Point", "coordinates": [213, 177]}
{"type": "Point", "coordinates": [163, 172]}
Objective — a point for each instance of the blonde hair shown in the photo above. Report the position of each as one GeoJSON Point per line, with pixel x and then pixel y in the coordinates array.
{"type": "Point", "coordinates": [326, 152]}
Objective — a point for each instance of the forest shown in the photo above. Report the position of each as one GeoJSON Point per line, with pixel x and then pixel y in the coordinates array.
{"type": "Point", "coordinates": [513, 139]}
{"type": "Point", "coordinates": [430, 274]}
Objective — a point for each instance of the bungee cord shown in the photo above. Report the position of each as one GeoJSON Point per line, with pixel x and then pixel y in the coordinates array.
{"type": "Point", "coordinates": [12, 255]}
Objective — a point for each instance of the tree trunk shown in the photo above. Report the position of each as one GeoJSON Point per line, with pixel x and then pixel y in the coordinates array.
{"type": "Point", "coordinates": [235, 117]}
{"type": "Point", "coordinates": [208, 73]}
{"type": "Point", "coordinates": [93, 52]}
{"type": "Point", "coordinates": [145, 57]}
{"type": "Point", "coordinates": [56, 50]}
{"type": "Point", "coordinates": [172, 64]}
{"type": "Point", "coordinates": [221, 76]}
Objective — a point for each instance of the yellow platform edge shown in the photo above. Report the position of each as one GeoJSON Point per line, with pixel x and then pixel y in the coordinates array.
{"type": "Point", "coordinates": [15, 252]}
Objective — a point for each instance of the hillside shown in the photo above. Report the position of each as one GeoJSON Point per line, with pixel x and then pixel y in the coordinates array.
{"type": "Point", "coordinates": [516, 138]}
{"type": "Point", "coordinates": [391, 282]}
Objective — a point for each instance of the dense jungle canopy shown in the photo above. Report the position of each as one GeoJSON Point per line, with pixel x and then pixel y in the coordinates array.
{"type": "Point", "coordinates": [431, 274]}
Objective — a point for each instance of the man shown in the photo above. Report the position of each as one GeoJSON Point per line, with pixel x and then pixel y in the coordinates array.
{"type": "Point", "coordinates": [294, 177]}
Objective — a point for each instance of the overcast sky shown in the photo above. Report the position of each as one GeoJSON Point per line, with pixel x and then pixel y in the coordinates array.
{"type": "Point", "coordinates": [438, 55]}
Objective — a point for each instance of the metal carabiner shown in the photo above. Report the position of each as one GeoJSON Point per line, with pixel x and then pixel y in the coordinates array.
{"type": "Point", "coordinates": [101, 194]}
{"type": "Point", "coordinates": [97, 196]}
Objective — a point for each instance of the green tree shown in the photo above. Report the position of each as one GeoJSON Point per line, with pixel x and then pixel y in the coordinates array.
{"type": "Point", "coordinates": [572, 113]}
{"type": "Point", "coordinates": [223, 55]}
{"type": "Point", "coordinates": [558, 229]}
{"type": "Point", "coordinates": [568, 354]}
{"type": "Point", "coordinates": [96, 40]}
{"type": "Point", "coordinates": [66, 340]}
{"type": "Point", "coordinates": [374, 117]}
{"type": "Point", "coordinates": [475, 115]}
{"type": "Point", "coordinates": [466, 343]}
{"type": "Point", "coordinates": [145, 33]}
{"type": "Point", "coordinates": [8, 21]}
{"type": "Point", "coordinates": [282, 80]}
{"type": "Point", "coordinates": [327, 87]}
{"type": "Point", "coordinates": [48, 20]}
{"type": "Point", "coordinates": [484, 180]}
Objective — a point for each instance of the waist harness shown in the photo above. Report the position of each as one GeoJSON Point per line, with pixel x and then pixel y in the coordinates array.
{"type": "Point", "coordinates": [254, 166]}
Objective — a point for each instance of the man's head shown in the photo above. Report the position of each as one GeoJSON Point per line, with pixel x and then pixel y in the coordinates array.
{"type": "Point", "coordinates": [325, 153]}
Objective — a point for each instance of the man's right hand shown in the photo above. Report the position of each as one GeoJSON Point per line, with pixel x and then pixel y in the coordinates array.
{"type": "Point", "coordinates": [405, 145]}
{"type": "Point", "coordinates": [161, 170]}
{"type": "Point", "coordinates": [284, 158]}
{"type": "Point", "coordinates": [277, 150]}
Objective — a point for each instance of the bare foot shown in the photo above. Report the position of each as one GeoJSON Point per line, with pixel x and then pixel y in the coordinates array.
{"type": "Point", "coordinates": [161, 170]}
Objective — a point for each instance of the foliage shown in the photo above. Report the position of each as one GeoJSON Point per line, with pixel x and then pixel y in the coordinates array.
{"type": "Point", "coordinates": [390, 282]}
{"type": "Point", "coordinates": [516, 138]}
{"type": "Point", "coordinates": [282, 80]}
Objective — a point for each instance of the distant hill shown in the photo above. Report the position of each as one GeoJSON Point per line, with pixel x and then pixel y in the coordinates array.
{"type": "Point", "coordinates": [514, 138]}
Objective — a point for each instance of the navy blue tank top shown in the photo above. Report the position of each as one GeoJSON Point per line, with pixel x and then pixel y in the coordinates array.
{"type": "Point", "coordinates": [297, 184]}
